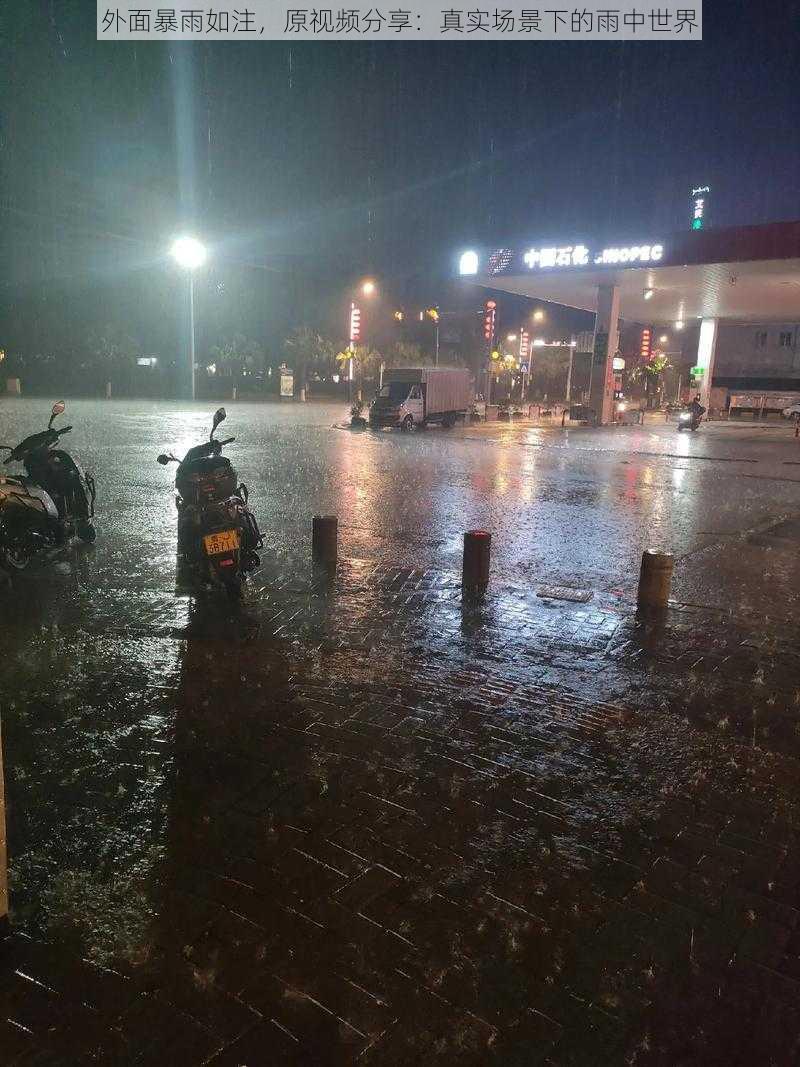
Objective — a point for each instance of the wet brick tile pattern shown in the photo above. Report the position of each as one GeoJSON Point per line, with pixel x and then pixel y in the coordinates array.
{"type": "Point", "coordinates": [390, 827]}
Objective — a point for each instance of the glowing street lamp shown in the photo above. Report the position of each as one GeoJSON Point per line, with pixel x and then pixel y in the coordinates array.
{"type": "Point", "coordinates": [190, 254]}
{"type": "Point", "coordinates": [366, 288]}
{"type": "Point", "coordinates": [538, 315]}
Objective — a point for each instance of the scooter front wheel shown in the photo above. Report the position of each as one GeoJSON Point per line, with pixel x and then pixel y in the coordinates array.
{"type": "Point", "coordinates": [87, 532]}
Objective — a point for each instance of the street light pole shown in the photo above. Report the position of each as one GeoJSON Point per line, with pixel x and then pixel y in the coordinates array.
{"type": "Point", "coordinates": [189, 253]}
{"type": "Point", "coordinates": [191, 337]}
{"type": "Point", "coordinates": [569, 370]}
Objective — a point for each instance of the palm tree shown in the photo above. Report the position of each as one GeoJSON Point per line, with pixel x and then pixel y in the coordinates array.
{"type": "Point", "coordinates": [366, 362]}
{"type": "Point", "coordinates": [307, 348]}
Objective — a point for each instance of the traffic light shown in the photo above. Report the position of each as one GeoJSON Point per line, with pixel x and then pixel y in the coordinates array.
{"type": "Point", "coordinates": [488, 322]}
{"type": "Point", "coordinates": [433, 314]}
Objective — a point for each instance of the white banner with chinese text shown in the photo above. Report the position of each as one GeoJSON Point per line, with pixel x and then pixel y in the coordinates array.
{"type": "Point", "coordinates": [422, 20]}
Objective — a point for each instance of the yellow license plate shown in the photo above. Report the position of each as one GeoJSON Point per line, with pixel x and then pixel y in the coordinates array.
{"type": "Point", "coordinates": [223, 541]}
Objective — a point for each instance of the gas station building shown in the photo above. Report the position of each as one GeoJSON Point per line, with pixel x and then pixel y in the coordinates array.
{"type": "Point", "coordinates": [740, 276]}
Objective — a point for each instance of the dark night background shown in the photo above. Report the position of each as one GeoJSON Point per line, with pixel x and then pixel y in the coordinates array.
{"type": "Point", "coordinates": [307, 165]}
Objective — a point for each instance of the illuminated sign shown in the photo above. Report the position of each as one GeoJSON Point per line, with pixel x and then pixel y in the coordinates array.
{"type": "Point", "coordinates": [524, 345]}
{"type": "Point", "coordinates": [582, 256]}
{"type": "Point", "coordinates": [699, 206]}
{"type": "Point", "coordinates": [647, 344]}
{"type": "Point", "coordinates": [566, 256]}
{"type": "Point", "coordinates": [488, 322]}
{"type": "Point", "coordinates": [559, 257]}
{"type": "Point", "coordinates": [631, 254]}
{"type": "Point", "coordinates": [468, 264]}
{"type": "Point", "coordinates": [355, 324]}
{"type": "Point", "coordinates": [618, 363]}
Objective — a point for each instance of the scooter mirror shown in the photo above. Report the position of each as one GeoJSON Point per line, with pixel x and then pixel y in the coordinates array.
{"type": "Point", "coordinates": [58, 407]}
{"type": "Point", "coordinates": [163, 460]}
{"type": "Point", "coordinates": [219, 415]}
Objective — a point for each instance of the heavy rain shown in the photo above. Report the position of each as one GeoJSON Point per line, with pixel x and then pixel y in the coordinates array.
{"type": "Point", "coordinates": [387, 790]}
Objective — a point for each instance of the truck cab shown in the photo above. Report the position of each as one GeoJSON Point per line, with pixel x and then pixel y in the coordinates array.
{"type": "Point", "coordinates": [398, 403]}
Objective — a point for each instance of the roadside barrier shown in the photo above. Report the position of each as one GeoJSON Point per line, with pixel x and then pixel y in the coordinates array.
{"type": "Point", "coordinates": [655, 578]}
{"type": "Point", "coordinates": [324, 537]}
{"type": "Point", "coordinates": [475, 568]}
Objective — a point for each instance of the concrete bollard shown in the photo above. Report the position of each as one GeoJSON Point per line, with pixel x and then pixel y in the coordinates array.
{"type": "Point", "coordinates": [108, 390]}
{"type": "Point", "coordinates": [3, 854]}
{"type": "Point", "coordinates": [475, 568]}
{"type": "Point", "coordinates": [654, 579]}
{"type": "Point", "coordinates": [324, 534]}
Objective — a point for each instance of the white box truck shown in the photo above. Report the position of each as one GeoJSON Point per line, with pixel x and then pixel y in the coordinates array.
{"type": "Point", "coordinates": [418, 396]}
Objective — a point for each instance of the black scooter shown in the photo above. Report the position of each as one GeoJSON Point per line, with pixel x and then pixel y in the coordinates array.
{"type": "Point", "coordinates": [48, 506]}
{"type": "Point", "coordinates": [217, 532]}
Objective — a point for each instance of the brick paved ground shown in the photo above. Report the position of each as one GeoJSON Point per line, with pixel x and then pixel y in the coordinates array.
{"type": "Point", "coordinates": [381, 826]}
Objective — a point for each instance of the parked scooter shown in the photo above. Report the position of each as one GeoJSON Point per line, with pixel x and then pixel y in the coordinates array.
{"type": "Point", "coordinates": [49, 505]}
{"type": "Point", "coordinates": [217, 532]}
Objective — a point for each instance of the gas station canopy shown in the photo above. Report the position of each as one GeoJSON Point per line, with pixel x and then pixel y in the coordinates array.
{"type": "Point", "coordinates": [741, 274]}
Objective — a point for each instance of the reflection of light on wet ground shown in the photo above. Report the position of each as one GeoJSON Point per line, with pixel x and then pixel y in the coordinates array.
{"type": "Point", "coordinates": [683, 445]}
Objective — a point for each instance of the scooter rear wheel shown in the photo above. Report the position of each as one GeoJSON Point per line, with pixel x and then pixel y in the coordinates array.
{"type": "Point", "coordinates": [234, 587]}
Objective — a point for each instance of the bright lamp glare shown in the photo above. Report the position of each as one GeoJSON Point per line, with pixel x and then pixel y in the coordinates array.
{"type": "Point", "coordinates": [368, 288]}
{"type": "Point", "coordinates": [189, 253]}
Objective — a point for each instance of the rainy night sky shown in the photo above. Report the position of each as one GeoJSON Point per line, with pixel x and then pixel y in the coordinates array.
{"type": "Point", "coordinates": [308, 165]}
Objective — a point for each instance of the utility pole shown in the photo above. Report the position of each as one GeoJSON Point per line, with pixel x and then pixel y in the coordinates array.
{"type": "Point", "coordinates": [572, 345]}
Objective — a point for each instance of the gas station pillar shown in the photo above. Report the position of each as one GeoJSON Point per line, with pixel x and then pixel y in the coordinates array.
{"type": "Point", "coordinates": [606, 341]}
{"type": "Point", "coordinates": [706, 356]}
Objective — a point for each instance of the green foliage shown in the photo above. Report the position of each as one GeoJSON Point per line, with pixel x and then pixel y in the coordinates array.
{"type": "Point", "coordinates": [237, 353]}
{"type": "Point", "coordinates": [403, 354]}
{"type": "Point", "coordinates": [305, 348]}
{"type": "Point", "coordinates": [650, 370]}
{"type": "Point", "coordinates": [109, 348]}
{"type": "Point", "coordinates": [366, 361]}
{"type": "Point", "coordinates": [549, 368]}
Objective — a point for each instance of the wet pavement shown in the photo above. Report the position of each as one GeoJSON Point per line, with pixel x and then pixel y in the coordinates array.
{"type": "Point", "coordinates": [364, 821]}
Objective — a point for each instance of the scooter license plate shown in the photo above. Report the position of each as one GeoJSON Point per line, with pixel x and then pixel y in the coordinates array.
{"type": "Point", "coordinates": [222, 541]}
